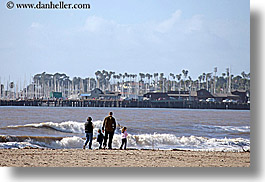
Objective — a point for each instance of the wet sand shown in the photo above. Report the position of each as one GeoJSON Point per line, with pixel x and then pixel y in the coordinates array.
{"type": "Point", "coordinates": [120, 158]}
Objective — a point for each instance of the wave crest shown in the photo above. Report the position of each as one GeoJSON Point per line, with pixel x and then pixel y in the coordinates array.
{"type": "Point", "coordinates": [66, 126]}
{"type": "Point", "coordinates": [142, 141]}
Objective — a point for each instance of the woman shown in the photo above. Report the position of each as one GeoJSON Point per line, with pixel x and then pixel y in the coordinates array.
{"type": "Point", "coordinates": [89, 126]}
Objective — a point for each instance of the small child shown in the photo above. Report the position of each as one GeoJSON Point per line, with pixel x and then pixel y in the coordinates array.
{"type": "Point", "coordinates": [100, 138]}
{"type": "Point", "coordinates": [124, 135]}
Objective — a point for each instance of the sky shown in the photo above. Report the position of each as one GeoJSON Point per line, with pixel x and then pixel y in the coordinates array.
{"type": "Point", "coordinates": [130, 36]}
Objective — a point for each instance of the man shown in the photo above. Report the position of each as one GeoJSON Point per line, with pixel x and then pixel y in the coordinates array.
{"type": "Point", "coordinates": [89, 126]}
{"type": "Point", "coordinates": [109, 126]}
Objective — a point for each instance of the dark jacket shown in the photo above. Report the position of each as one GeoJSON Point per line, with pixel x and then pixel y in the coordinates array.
{"type": "Point", "coordinates": [100, 137]}
{"type": "Point", "coordinates": [109, 124]}
{"type": "Point", "coordinates": [88, 127]}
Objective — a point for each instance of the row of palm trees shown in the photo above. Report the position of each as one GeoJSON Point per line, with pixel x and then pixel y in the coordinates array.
{"type": "Point", "coordinates": [146, 82]}
{"type": "Point", "coordinates": [129, 84]}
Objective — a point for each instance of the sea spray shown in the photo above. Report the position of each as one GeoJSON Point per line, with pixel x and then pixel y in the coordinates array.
{"type": "Point", "coordinates": [142, 141]}
{"type": "Point", "coordinates": [78, 127]}
{"type": "Point", "coordinates": [66, 126]}
{"type": "Point", "coordinates": [219, 128]}
{"type": "Point", "coordinates": [17, 145]}
{"type": "Point", "coordinates": [76, 137]}
{"type": "Point", "coordinates": [69, 142]}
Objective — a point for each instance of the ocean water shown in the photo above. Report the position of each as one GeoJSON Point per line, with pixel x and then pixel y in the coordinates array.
{"type": "Point", "coordinates": [187, 129]}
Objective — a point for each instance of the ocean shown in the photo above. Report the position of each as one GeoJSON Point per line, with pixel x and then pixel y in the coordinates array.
{"type": "Point", "coordinates": [150, 128]}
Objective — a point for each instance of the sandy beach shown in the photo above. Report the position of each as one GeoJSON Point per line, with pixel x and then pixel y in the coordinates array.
{"type": "Point", "coordinates": [120, 158]}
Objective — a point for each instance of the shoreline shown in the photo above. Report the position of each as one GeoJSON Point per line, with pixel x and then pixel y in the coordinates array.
{"type": "Point", "coordinates": [120, 158]}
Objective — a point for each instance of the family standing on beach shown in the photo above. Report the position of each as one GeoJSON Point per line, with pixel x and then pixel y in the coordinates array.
{"type": "Point", "coordinates": [108, 127]}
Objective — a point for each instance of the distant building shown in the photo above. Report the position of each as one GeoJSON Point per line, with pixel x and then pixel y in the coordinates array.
{"type": "Point", "coordinates": [96, 93]}
{"type": "Point", "coordinates": [240, 96]}
{"type": "Point", "coordinates": [223, 96]}
{"type": "Point", "coordinates": [183, 95]}
{"type": "Point", "coordinates": [56, 95]}
{"type": "Point", "coordinates": [204, 94]}
{"type": "Point", "coordinates": [99, 94]}
{"type": "Point", "coordinates": [156, 96]}
{"type": "Point", "coordinates": [243, 95]}
{"type": "Point", "coordinates": [73, 97]}
{"type": "Point", "coordinates": [85, 96]}
{"type": "Point", "coordinates": [178, 95]}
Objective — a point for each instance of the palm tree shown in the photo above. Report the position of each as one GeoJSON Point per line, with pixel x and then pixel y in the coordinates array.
{"type": "Point", "coordinates": [141, 82]}
{"type": "Point", "coordinates": [215, 71]}
{"type": "Point", "coordinates": [179, 78]}
{"type": "Point", "coordinates": [148, 76]}
{"type": "Point", "coordinates": [105, 80]}
{"type": "Point", "coordinates": [208, 76]}
{"type": "Point", "coordinates": [248, 81]}
{"type": "Point", "coordinates": [173, 77]}
{"type": "Point", "coordinates": [134, 76]}
{"type": "Point", "coordinates": [244, 80]}
{"type": "Point", "coordinates": [231, 77]}
{"type": "Point", "coordinates": [130, 83]}
{"type": "Point", "coordinates": [81, 85]}
{"type": "Point", "coordinates": [120, 80]}
{"type": "Point", "coordinates": [200, 79]}
{"type": "Point", "coordinates": [203, 78]}
{"type": "Point", "coordinates": [224, 83]}
{"type": "Point", "coordinates": [123, 80]}
{"type": "Point", "coordinates": [161, 80]}
{"type": "Point", "coordinates": [156, 80]}
{"type": "Point", "coordinates": [243, 74]}
{"type": "Point", "coordinates": [97, 73]}
{"type": "Point", "coordinates": [111, 74]}
{"type": "Point", "coordinates": [190, 83]}
{"type": "Point", "coordinates": [228, 80]}
{"type": "Point", "coordinates": [185, 74]}
{"type": "Point", "coordinates": [114, 82]}
{"type": "Point", "coordinates": [151, 76]}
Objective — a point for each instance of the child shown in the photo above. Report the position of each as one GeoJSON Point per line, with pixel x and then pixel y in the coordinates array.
{"type": "Point", "coordinates": [100, 138]}
{"type": "Point", "coordinates": [124, 135]}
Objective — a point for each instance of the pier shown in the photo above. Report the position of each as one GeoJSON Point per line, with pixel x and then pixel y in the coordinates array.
{"type": "Point", "coordinates": [126, 104]}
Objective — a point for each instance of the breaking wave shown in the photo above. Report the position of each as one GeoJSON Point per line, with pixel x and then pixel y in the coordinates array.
{"type": "Point", "coordinates": [227, 128]}
{"type": "Point", "coordinates": [66, 126]}
{"type": "Point", "coordinates": [142, 141]}
{"type": "Point", "coordinates": [78, 127]}
{"type": "Point", "coordinates": [135, 140]}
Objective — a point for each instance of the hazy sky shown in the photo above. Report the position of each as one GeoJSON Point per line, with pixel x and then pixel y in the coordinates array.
{"type": "Point", "coordinates": [126, 36]}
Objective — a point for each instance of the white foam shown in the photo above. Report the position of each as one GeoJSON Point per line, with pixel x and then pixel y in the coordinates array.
{"type": "Point", "coordinates": [213, 144]}
{"type": "Point", "coordinates": [169, 141]}
{"type": "Point", "coordinates": [236, 128]}
{"type": "Point", "coordinates": [226, 128]}
{"type": "Point", "coordinates": [146, 141]}
{"type": "Point", "coordinates": [66, 126]}
{"type": "Point", "coordinates": [68, 142]}
{"type": "Point", "coordinates": [98, 124]}
{"type": "Point", "coordinates": [17, 145]}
